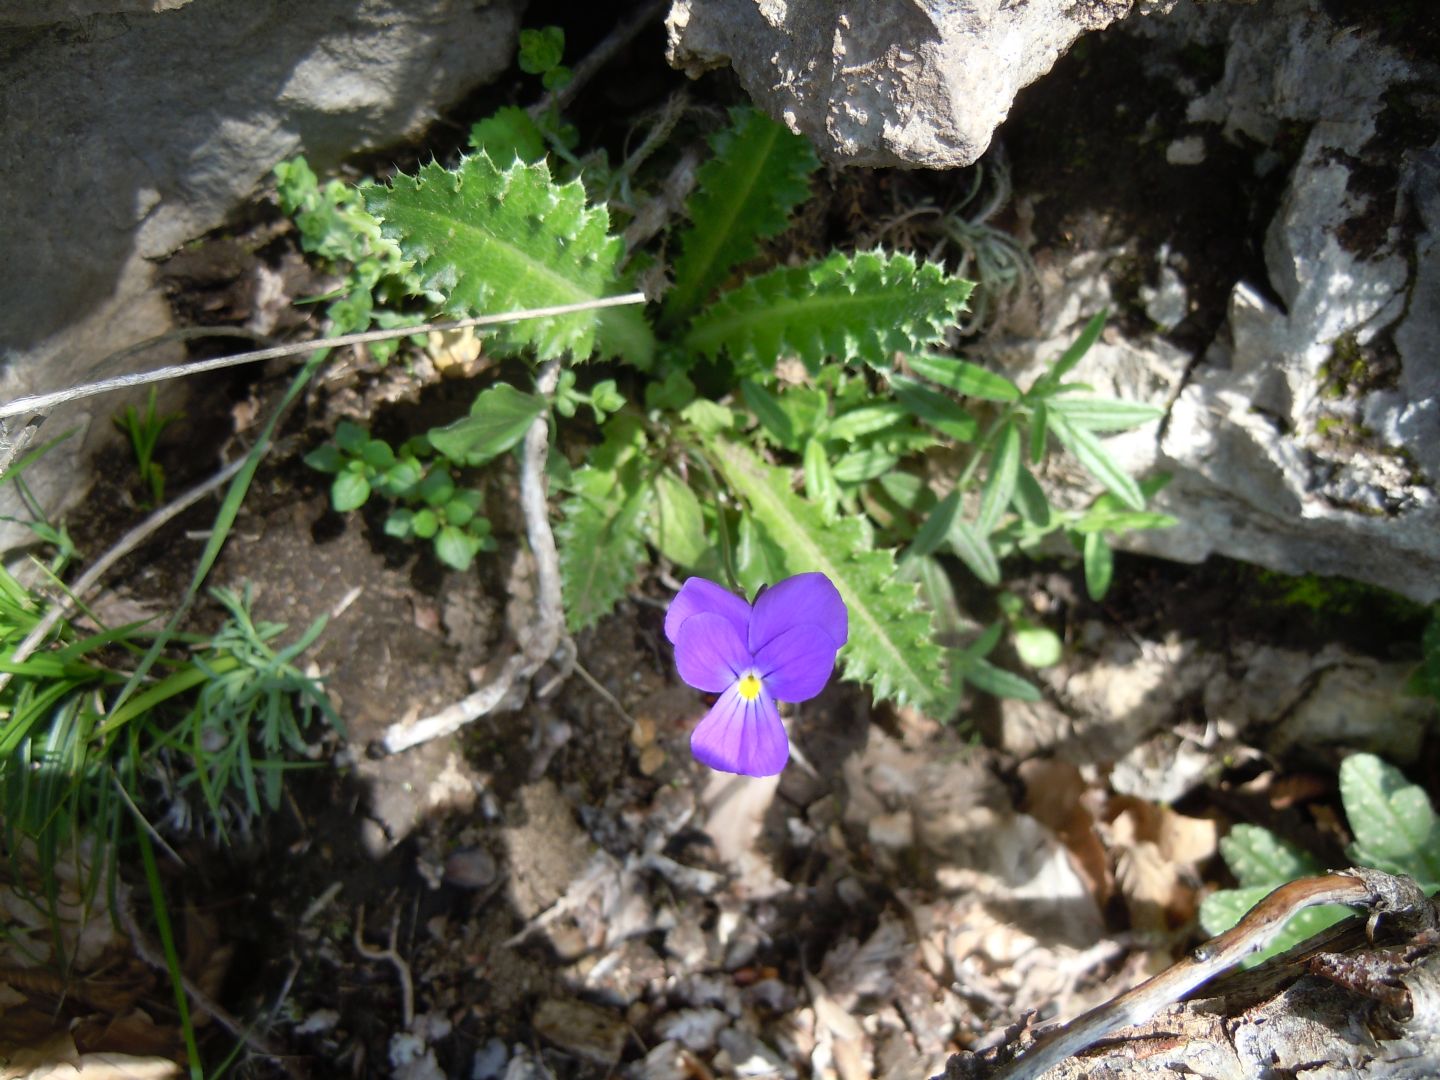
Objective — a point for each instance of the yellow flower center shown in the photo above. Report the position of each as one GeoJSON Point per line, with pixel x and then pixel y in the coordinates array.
{"type": "Point", "coordinates": [749, 688]}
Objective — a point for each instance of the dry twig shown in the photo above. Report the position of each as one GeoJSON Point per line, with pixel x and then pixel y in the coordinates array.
{"type": "Point", "coordinates": [548, 631]}
{"type": "Point", "coordinates": [1383, 894]}
{"type": "Point", "coordinates": [39, 402]}
{"type": "Point", "coordinates": [392, 955]}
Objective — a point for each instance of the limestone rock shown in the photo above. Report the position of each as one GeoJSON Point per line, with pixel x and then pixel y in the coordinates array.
{"type": "Point", "coordinates": [1305, 436]}
{"type": "Point", "coordinates": [134, 127]}
{"type": "Point", "coordinates": [885, 82]}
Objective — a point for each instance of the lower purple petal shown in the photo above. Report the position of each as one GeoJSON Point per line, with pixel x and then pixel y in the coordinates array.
{"type": "Point", "coordinates": [804, 598]}
{"type": "Point", "coordinates": [700, 594]}
{"type": "Point", "coordinates": [739, 736]}
{"type": "Point", "coordinates": [709, 654]}
{"type": "Point", "coordinates": [796, 665]}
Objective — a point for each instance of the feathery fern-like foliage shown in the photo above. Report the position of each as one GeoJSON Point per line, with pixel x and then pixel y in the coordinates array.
{"type": "Point", "coordinates": [743, 194]}
{"type": "Point", "coordinates": [892, 642]}
{"type": "Point", "coordinates": [861, 307]}
{"type": "Point", "coordinates": [487, 240]}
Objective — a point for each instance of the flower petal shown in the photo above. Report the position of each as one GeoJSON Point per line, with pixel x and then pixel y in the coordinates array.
{"type": "Point", "coordinates": [709, 654]}
{"type": "Point", "coordinates": [739, 736]}
{"type": "Point", "coordinates": [796, 665]}
{"type": "Point", "coordinates": [700, 594]}
{"type": "Point", "coordinates": [804, 598]}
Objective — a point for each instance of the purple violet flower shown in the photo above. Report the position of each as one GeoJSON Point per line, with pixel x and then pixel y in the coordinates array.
{"type": "Point", "coordinates": [783, 647]}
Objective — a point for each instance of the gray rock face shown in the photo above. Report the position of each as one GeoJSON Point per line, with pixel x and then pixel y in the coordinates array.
{"type": "Point", "coordinates": [131, 128]}
{"type": "Point", "coordinates": [1306, 437]}
{"type": "Point", "coordinates": [886, 82]}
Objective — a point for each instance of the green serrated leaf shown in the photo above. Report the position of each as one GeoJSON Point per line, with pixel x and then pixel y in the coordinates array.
{"type": "Point", "coordinates": [541, 50]}
{"type": "Point", "coordinates": [743, 194]}
{"type": "Point", "coordinates": [489, 240]}
{"type": "Point", "coordinates": [1099, 565]}
{"type": "Point", "coordinates": [425, 524]}
{"type": "Point", "coordinates": [892, 646]}
{"type": "Point", "coordinates": [974, 551]}
{"type": "Point", "coordinates": [863, 307]}
{"type": "Point", "coordinates": [965, 378]}
{"type": "Point", "coordinates": [1395, 826]}
{"type": "Point", "coordinates": [1004, 470]}
{"type": "Point", "coordinates": [498, 421]}
{"type": "Point", "coordinates": [1105, 414]}
{"type": "Point", "coordinates": [676, 524]}
{"type": "Point", "coordinates": [1097, 462]}
{"type": "Point", "coordinates": [507, 135]}
{"type": "Point", "coordinates": [934, 408]}
{"type": "Point", "coordinates": [600, 540]}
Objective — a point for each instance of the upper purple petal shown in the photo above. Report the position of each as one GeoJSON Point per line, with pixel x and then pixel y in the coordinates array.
{"type": "Point", "coordinates": [699, 594]}
{"type": "Point", "coordinates": [739, 736]}
{"type": "Point", "coordinates": [796, 601]}
{"type": "Point", "coordinates": [709, 653]}
{"type": "Point", "coordinates": [796, 665]}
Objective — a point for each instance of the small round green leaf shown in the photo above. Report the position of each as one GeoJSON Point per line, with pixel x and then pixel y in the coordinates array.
{"type": "Point", "coordinates": [349, 491]}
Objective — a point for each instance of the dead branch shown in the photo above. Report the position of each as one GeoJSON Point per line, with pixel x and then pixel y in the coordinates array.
{"type": "Point", "coordinates": [391, 955]}
{"type": "Point", "coordinates": [548, 633]}
{"type": "Point", "coordinates": [1396, 900]}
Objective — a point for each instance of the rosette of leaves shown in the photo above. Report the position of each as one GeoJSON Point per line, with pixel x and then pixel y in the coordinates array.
{"type": "Point", "coordinates": [1395, 830]}
{"type": "Point", "coordinates": [432, 506]}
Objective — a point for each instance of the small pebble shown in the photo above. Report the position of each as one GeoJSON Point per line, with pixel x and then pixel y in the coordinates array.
{"type": "Point", "coordinates": [470, 868]}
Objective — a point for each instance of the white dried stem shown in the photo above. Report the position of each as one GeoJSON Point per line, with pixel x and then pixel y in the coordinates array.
{"type": "Point", "coordinates": [548, 632]}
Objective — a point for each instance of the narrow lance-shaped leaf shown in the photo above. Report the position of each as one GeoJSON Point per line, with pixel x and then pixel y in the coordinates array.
{"type": "Point", "coordinates": [1099, 565]}
{"type": "Point", "coordinates": [1088, 451]}
{"type": "Point", "coordinates": [863, 307]}
{"type": "Point", "coordinates": [934, 408]}
{"type": "Point", "coordinates": [974, 551]}
{"type": "Point", "coordinates": [490, 240]}
{"type": "Point", "coordinates": [935, 528]}
{"type": "Point", "coordinates": [1105, 414]}
{"type": "Point", "coordinates": [1000, 482]}
{"type": "Point", "coordinates": [892, 645]}
{"type": "Point", "coordinates": [1049, 383]}
{"type": "Point", "coordinates": [742, 195]}
{"type": "Point", "coordinates": [965, 378]}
